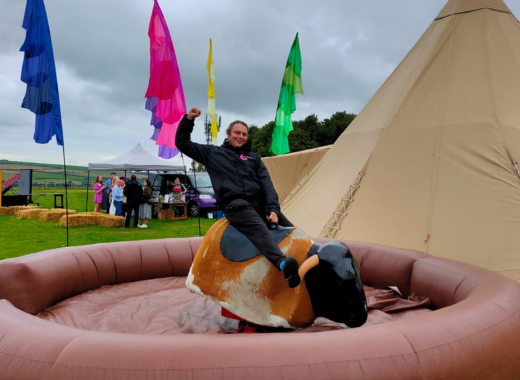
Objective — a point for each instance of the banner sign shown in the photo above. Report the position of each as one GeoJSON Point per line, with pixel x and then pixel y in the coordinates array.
{"type": "Point", "coordinates": [10, 182]}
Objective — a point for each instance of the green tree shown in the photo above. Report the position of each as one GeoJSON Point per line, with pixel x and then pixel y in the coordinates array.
{"type": "Point", "coordinates": [310, 125]}
{"type": "Point", "coordinates": [197, 167]}
{"type": "Point", "coordinates": [330, 129]}
{"type": "Point", "coordinates": [300, 139]}
{"type": "Point", "coordinates": [307, 133]}
{"type": "Point", "coordinates": [253, 129]}
{"type": "Point", "coordinates": [262, 140]}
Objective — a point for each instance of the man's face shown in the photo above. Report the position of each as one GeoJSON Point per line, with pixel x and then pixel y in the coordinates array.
{"type": "Point", "coordinates": [237, 136]}
{"type": "Point", "coordinates": [114, 176]}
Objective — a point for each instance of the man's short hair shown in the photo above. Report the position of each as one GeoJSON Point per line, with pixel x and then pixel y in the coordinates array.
{"type": "Point", "coordinates": [113, 173]}
{"type": "Point", "coordinates": [236, 122]}
{"type": "Point", "coordinates": [133, 177]}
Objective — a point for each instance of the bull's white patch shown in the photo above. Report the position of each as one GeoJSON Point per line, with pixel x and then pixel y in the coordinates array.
{"type": "Point", "coordinates": [297, 234]}
{"type": "Point", "coordinates": [227, 284]}
{"type": "Point", "coordinates": [276, 321]}
{"type": "Point", "coordinates": [192, 287]}
{"type": "Point", "coordinates": [244, 300]}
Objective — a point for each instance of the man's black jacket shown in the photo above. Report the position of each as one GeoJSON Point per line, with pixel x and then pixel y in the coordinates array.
{"type": "Point", "coordinates": [133, 191]}
{"type": "Point", "coordinates": [235, 173]}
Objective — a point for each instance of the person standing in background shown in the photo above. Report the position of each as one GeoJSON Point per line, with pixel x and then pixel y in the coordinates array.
{"type": "Point", "coordinates": [98, 193]}
{"type": "Point", "coordinates": [133, 192]}
{"type": "Point", "coordinates": [107, 194]}
{"type": "Point", "coordinates": [178, 196]}
{"type": "Point", "coordinates": [117, 197]}
{"type": "Point", "coordinates": [145, 209]}
{"type": "Point", "coordinates": [123, 206]}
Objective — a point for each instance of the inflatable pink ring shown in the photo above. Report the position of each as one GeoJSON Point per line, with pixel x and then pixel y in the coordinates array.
{"type": "Point", "coordinates": [473, 334]}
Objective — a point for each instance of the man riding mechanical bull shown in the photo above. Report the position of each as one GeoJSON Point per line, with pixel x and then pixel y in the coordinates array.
{"type": "Point", "coordinates": [324, 280]}
{"type": "Point", "coordinates": [243, 189]}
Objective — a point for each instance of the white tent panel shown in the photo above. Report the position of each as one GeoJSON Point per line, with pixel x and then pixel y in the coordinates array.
{"type": "Point", "coordinates": [138, 159]}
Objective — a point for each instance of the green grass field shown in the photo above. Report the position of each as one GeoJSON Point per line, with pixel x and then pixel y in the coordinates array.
{"type": "Point", "coordinates": [19, 237]}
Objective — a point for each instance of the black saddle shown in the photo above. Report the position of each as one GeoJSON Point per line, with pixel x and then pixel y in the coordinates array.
{"type": "Point", "coordinates": [236, 247]}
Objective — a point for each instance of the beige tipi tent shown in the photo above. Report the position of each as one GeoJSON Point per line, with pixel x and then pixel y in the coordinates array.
{"type": "Point", "coordinates": [288, 170]}
{"type": "Point", "coordinates": [430, 163]}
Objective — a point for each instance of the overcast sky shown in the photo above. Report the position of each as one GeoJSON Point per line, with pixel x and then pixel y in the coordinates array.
{"type": "Point", "coordinates": [101, 48]}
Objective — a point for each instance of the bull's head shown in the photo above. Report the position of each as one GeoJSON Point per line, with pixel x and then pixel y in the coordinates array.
{"type": "Point", "coordinates": [332, 277]}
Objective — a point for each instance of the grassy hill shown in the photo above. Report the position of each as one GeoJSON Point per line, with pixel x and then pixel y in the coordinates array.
{"type": "Point", "coordinates": [52, 175]}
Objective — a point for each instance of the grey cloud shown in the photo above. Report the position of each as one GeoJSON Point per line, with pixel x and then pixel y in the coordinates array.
{"type": "Point", "coordinates": [102, 51]}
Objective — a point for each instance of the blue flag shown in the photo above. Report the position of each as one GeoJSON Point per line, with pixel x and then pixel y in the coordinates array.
{"type": "Point", "coordinates": [39, 72]}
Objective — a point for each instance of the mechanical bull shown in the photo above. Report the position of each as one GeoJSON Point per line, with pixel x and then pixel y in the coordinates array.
{"type": "Point", "coordinates": [230, 271]}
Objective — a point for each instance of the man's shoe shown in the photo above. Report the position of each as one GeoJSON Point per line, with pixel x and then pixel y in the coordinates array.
{"type": "Point", "coordinates": [290, 272]}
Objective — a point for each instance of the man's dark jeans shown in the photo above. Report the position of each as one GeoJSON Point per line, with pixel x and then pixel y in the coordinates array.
{"type": "Point", "coordinates": [129, 208]}
{"type": "Point", "coordinates": [249, 218]}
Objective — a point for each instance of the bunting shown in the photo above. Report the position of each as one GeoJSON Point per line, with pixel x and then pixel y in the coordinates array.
{"type": "Point", "coordinates": [39, 73]}
{"type": "Point", "coordinates": [211, 96]}
{"type": "Point", "coordinates": [165, 96]}
{"type": "Point", "coordinates": [291, 85]}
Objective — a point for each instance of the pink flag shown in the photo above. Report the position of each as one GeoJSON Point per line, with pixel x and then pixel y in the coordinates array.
{"type": "Point", "coordinates": [165, 94]}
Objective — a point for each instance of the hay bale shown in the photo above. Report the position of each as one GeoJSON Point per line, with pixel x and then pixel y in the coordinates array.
{"type": "Point", "coordinates": [13, 210]}
{"type": "Point", "coordinates": [111, 221]}
{"type": "Point", "coordinates": [31, 213]}
{"type": "Point", "coordinates": [63, 220]}
{"type": "Point", "coordinates": [82, 219]}
{"type": "Point", "coordinates": [79, 219]}
{"type": "Point", "coordinates": [54, 215]}
{"type": "Point", "coordinates": [93, 218]}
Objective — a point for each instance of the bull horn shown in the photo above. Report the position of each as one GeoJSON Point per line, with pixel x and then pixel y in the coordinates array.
{"type": "Point", "coordinates": [307, 265]}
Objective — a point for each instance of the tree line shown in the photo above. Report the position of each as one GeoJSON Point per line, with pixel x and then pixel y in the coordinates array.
{"type": "Point", "coordinates": [307, 133]}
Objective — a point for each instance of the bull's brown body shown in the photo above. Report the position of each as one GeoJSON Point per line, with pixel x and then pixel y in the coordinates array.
{"type": "Point", "coordinates": [254, 289]}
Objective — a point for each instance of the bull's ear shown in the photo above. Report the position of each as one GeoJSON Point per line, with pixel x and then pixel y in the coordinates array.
{"type": "Point", "coordinates": [338, 256]}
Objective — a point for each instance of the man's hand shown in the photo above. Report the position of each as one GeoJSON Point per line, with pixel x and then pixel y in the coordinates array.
{"type": "Point", "coordinates": [193, 113]}
{"type": "Point", "coordinates": [273, 218]}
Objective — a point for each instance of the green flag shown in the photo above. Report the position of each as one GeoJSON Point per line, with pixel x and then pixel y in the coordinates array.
{"type": "Point", "coordinates": [291, 84]}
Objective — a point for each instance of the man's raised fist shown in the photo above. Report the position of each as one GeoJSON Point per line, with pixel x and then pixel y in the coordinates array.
{"type": "Point", "coordinates": [193, 113]}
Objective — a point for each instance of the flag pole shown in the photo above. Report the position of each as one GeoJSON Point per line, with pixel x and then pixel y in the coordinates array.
{"type": "Point", "coordinates": [66, 193]}
{"type": "Point", "coordinates": [88, 185]}
{"type": "Point", "coordinates": [195, 179]}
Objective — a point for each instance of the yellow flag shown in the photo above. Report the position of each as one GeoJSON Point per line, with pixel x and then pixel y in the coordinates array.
{"type": "Point", "coordinates": [211, 73]}
{"type": "Point", "coordinates": [211, 95]}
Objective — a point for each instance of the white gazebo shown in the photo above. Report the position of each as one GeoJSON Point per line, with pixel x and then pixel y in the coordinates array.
{"type": "Point", "coordinates": [136, 159]}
